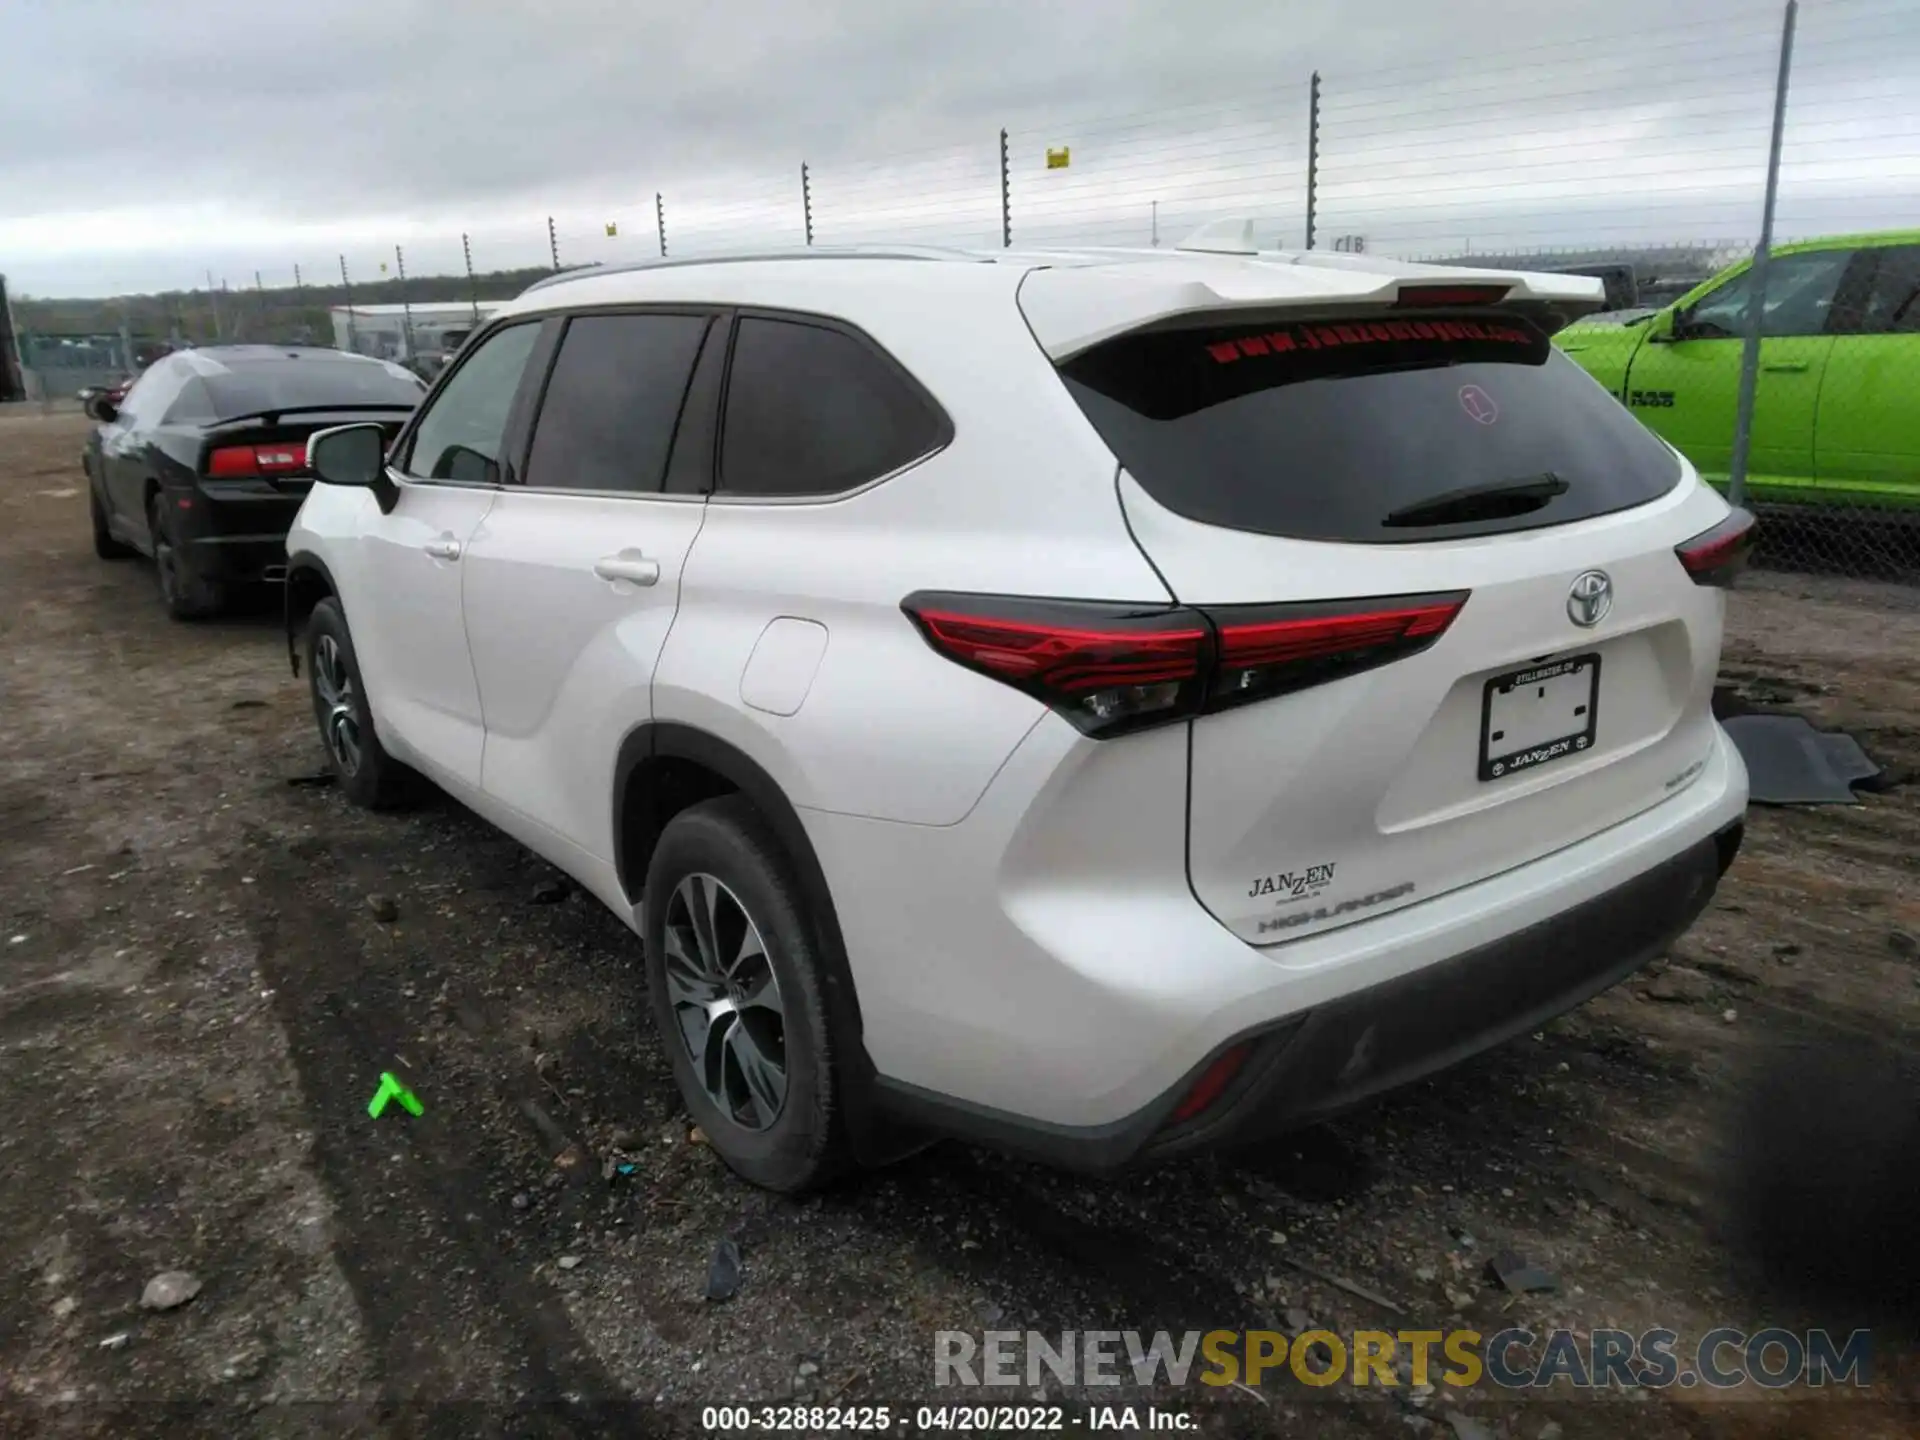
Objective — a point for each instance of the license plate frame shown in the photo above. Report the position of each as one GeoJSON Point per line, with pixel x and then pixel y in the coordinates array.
{"type": "Point", "coordinates": [1500, 757]}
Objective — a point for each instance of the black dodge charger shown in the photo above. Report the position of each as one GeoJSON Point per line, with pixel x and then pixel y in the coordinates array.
{"type": "Point", "coordinates": [203, 464]}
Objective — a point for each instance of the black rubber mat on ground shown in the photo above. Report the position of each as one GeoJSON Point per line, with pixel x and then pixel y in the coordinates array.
{"type": "Point", "coordinates": [1791, 763]}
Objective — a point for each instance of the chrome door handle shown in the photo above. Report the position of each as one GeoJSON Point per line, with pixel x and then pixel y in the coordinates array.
{"type": "Point", "coordinates": [1791, 366]}
{"type": "Point", "coordinates": [445, 548]}
{"type": "Point", "coordinates": [628, 565]}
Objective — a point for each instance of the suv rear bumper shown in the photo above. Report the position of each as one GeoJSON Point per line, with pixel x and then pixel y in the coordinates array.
{"type": "Point", "coordinates": [1337, 1054]}
{"type": "Point", "coordinates": [1040, 974]}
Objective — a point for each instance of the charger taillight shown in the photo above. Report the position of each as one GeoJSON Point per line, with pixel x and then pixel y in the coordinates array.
{"type": "Point", "coordinates": [1112, 668]}
{"type": "Point", "coordinates": [267, 460]}
{"type": "Point", "coordinates": [1717, 556]}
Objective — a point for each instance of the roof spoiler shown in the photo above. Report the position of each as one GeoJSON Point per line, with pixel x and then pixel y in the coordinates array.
{"type": "Point", "coordinates": [1072, 309]}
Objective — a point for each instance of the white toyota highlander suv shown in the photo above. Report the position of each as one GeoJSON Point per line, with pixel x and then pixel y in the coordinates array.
{"type": "Point", "coordinates": [1096, 703]}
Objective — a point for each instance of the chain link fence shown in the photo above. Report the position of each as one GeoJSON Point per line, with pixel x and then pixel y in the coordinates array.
{"type": "Point", "coordinates": [1648, 160]}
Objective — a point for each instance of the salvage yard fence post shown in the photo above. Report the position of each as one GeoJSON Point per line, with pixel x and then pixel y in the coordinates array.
{"type": "Point", "coordinates": [473, 285]}
{"type": "Point", "coordinates": [1313, 152]}
{"type": "Point", "coordinates": [406, 304]}
{"type": "Point", "coordinates": [1757, 287]}
{"type": "Point", "coordinates": [1006, 195]}
{"type": "Point", "coordinates": [346, 286]}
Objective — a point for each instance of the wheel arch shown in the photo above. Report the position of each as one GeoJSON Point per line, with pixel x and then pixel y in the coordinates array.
{"type": "Point", "coordinates": [663, 767]}
{"type": "Point", "coordinates": [308, 582]}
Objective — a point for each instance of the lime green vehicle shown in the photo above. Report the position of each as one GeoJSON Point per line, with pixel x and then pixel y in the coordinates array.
{"type": "Point", "coordinates": [1836, 416]}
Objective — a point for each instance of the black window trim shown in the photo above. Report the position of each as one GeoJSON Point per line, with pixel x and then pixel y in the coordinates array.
{"type": "Point", "coordinates": [536, 397]}
{"type": "Point", "coordinates": [943, 433]}
{"type": "Point", "coordinates": [1872, 258]}
{"type": "Point", "coordinates": [400, 453]}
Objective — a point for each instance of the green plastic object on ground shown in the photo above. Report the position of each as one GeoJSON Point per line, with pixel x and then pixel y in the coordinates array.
{"type": "Point", "coordinates": [392, 1089]}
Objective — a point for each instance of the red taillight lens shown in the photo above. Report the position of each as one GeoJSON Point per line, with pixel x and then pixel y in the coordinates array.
{"type": "Point", "coordinates": [1112, 668]}
{"type": "Point", "coordinates": [1419, 296]}
{"type": "Point", "coordinates": [289, 458]}
{"type": "Point", "coordinates": [1717, 556]}
{"type": "Point", "coordinates": [1107, 668]}
{"type": "Point", "coordinates": [1271, 650]}
{"type": "Point", "coordinates": [1212, 1083]}
{"type": "Point", "coordinates": [233, 460]}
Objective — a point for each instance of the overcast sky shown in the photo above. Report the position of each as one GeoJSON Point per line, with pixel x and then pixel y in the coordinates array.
{"type": "Point", "coordinates": [146, 142]}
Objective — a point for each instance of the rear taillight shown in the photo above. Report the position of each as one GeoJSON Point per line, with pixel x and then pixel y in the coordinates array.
{"type": "Point", "coordinates": [1272, 649]}
{"type": "Point", "coordinates": [268, 460]}
{"type": "Point", "coordinates": [1107, 668]}
{"type": "Point", "coordinates": [1112, 668]}
{"type": "Point", "coordinates": [1717, 556]}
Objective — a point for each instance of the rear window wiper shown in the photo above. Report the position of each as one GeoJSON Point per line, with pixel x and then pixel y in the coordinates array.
{"type": "Point", "coordinates": [1496, 500]}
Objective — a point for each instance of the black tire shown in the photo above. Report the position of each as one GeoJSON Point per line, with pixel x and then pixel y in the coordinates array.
{"type": "Point", "coordinates": [368, 776]}
{"type": "Point", "coordinates": [804, 1144]}
{"type": "Point", "coordinates": [184, 591]}
{"type": "Point", "coordinates": [104, 545]}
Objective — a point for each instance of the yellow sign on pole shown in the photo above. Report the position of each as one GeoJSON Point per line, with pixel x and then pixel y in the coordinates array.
{"type": "Point", "coordinates": [1058, 159]}
{"type": "Point", "coordinates": [613, 227]}
{"type": "Point", "coordinates": [383, 267]}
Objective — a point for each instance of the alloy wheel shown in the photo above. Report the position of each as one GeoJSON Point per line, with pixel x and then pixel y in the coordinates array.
{"type": "Point", "coordinates": [726, 1001]}
{"type": "Point", "coordinates": [340, 720]}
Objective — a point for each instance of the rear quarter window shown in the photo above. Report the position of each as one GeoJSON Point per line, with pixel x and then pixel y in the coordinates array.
{"type": "Point", "coordinates": [1349, 430]}
{"type": "Point", "coordinates": [812, 410]}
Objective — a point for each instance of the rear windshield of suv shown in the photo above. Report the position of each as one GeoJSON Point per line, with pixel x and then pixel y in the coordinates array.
{"type": "Point", "coordinates": [1377, 431]}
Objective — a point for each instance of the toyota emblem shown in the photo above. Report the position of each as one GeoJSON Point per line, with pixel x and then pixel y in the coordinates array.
{"type": "Point", "coordinates": [1478, 405]}
{"type": "Point", "coordinates": [1590, 599]}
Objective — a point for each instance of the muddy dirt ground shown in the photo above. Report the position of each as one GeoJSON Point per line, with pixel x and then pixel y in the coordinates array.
{"type": "Point", "coordinates": [197, 998]}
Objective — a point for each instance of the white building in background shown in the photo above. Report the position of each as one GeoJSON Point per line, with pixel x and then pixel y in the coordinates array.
{"type": "Point", "coordinates": [383, 330]}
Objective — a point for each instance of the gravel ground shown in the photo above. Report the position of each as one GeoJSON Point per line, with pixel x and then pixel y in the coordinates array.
{"type": "Point", "coordinates": [198, 995]}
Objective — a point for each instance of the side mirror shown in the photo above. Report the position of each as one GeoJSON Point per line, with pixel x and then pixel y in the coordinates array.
{"type": "Point", "coordinates": [348, 455]}
{"type": "Point", "coordinates": [102, 409]}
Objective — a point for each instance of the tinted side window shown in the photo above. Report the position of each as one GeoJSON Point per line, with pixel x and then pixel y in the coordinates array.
{"type": "Point", "coordinates": [613, 400]}
{"type": "Point", "coordinates": [813, 411]}
{"type": "Point", "coordinates": [153, 393]}
{"type": "Point", "coordinates": [1893, 300]}
{"type": "Point", "coordinates": [461, 432]}
{"type": "Point", "coordinates": [1800, 294]}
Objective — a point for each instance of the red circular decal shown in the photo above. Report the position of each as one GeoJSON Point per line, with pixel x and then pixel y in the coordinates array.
{"type": "Point", "coordinates": [1478, 405]}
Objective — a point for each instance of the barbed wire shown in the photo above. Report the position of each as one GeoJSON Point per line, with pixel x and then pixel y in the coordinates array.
{"type": "Point", "coordinates": [1608, 148]}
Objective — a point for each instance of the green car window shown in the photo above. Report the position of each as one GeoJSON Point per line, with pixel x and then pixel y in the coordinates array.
{"type": "Point", "coordinates": [1893, 298]}
{"type": "Point", "coordinates": [1800, 291]}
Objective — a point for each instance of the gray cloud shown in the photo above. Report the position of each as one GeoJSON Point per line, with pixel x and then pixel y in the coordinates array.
{"type": "Point", "coordinates": [165, 137]}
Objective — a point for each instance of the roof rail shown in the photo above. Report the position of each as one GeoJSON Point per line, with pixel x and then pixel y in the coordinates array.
{"type": "Point", "coordinates": [742, 257]}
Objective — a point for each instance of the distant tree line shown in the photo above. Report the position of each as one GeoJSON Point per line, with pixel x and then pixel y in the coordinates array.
{"type": "Point", "coordinates": [278, 314]}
